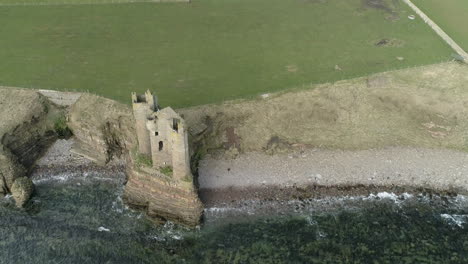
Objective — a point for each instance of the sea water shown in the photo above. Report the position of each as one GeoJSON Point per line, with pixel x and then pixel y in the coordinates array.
{"type": "Point", "coordinates": [82, 219]}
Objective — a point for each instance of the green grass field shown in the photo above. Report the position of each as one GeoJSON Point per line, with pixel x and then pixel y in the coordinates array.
{"type": "Point", "coordinates": [62, 2]}
{"type": "Point", "coordinates": [210, 50]}
{"type": "Point", "coordinates": [450, 15]}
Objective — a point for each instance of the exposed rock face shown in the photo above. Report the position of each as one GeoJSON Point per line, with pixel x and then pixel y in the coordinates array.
{"type": "Point", "coordinates": [26, 131]}
{"type": "Point", "coordinates": [162, 198]}
{"type": "Point", "coordinates": [106, 129]}
{"type": "Point", "coordinates": [102, 127]}
{"type": "Point", "coordinates": [22, 190]}
{"type": "Point", "coordinates": [10, 169]}
{"type": "Point", "coordinates": [28, 141]}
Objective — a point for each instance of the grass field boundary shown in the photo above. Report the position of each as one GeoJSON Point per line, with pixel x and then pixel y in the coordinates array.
{"type": "Point", "coordinates": [299, 87]}
{"type": "Point", "coordinates": [438, 30]}
{"type": "Point", "coordinates": [87, 2]}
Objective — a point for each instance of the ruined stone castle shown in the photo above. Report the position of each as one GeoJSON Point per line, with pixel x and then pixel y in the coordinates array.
{"type": "Point", "coordinates": [162, 135]}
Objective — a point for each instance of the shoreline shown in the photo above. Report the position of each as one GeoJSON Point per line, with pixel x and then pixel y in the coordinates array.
{"type": "Point", "coordinates": [60, 160]}
{"type": "Point", "coordinates": [438, 169]}
{"type": "Point", "coordinates": [262, 177]}
{"type": "Point", "coordinates": [233, 197]}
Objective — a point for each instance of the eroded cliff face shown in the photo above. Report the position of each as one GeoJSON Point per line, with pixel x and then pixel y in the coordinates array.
{"type": "Point", "coordinates": [104, 130]}
{"type": "Point", "coordinates": [418, 107]}
{"type": "Point", "coordinates": [162, 197]}
{"type": "Point", "coordinates": [26, 131]}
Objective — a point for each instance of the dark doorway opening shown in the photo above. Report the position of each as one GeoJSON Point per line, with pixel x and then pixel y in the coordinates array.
{"type": "Point", "coordinates": [161, 145]}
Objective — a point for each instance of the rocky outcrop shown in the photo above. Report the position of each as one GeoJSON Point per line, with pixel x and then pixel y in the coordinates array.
{"type": "Point", "coordinates": [104, 130]}
{"type": "Point", "coordinates": [162, 197]}
{"type": "Point", "coordinates": [28, 141]}
{"type": "Point", "coordinates": [102, 127]}
{"type": "Point", "coordinates": [10, 170]}
{"type": "Point", "coordinates": [21, 190]}
{"type": "Point", "coordinates": [26, 131]}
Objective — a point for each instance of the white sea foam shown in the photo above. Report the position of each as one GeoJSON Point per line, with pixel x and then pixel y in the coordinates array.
{"type": "Point", "coordinates": [56, 178]}
{"type": "Point", "coordinates": [168, 232]}
{"type": "Point", "coordinates": [311, 221]}
{"type": "Point", "coordinates": [459, 220]}
{"type": "Point", "coordinates": [223, 209]}
{"type": "Point", "coordinates": [159, 238]}
{"type": "Point", "coordinates": [103, 229]}
{"type": "Point", "coordinates": [390, 196]}
{"type": "Point", "coordinates": [66, 177]}
{"type": "Point", "coordinates": [177, 237]}
{"type": "Point", "coordinates": [461, 198]}
{"type": "Point", "coordinates": [251, 207]}
{"type": "Point", "coordinates": [382, 195]}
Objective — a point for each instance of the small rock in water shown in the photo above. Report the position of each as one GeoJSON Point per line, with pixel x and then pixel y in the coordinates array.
{"type": "Point", "coordinates": [101, 229]}
{"type": "Point", "coordinates": [21, 190]}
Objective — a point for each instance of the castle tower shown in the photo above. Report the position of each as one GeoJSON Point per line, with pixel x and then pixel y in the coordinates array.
{"type": "Point", "coordinates": [180, 151]}
{"type": "Point", "coordinates": [162, 135]}
{"type": "Point", "coordinates": [143, 107]}
{"type": "Point", "coordinates": [161, 146]}
{"type": "Point", "coordinates": [169, 142]}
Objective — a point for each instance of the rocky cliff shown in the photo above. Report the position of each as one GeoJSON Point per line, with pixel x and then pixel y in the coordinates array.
{"type": "Point", "coordinates": [26, 131]}
{"type": "Point", "coordinates": [104, 129]}
{"type": "Point", "coordinates": [162, 197]}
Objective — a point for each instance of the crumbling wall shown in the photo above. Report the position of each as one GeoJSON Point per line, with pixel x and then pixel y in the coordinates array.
{"type": "Point", "coordinates": [144, 106]}
{"type": "Point", "coordinates": [160, 143]}
{"type": "Point", "coordinates": [180, 154]}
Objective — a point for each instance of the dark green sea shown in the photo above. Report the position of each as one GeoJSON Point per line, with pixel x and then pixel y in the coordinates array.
{"type": "Point", "coordinates": [81, 219]}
